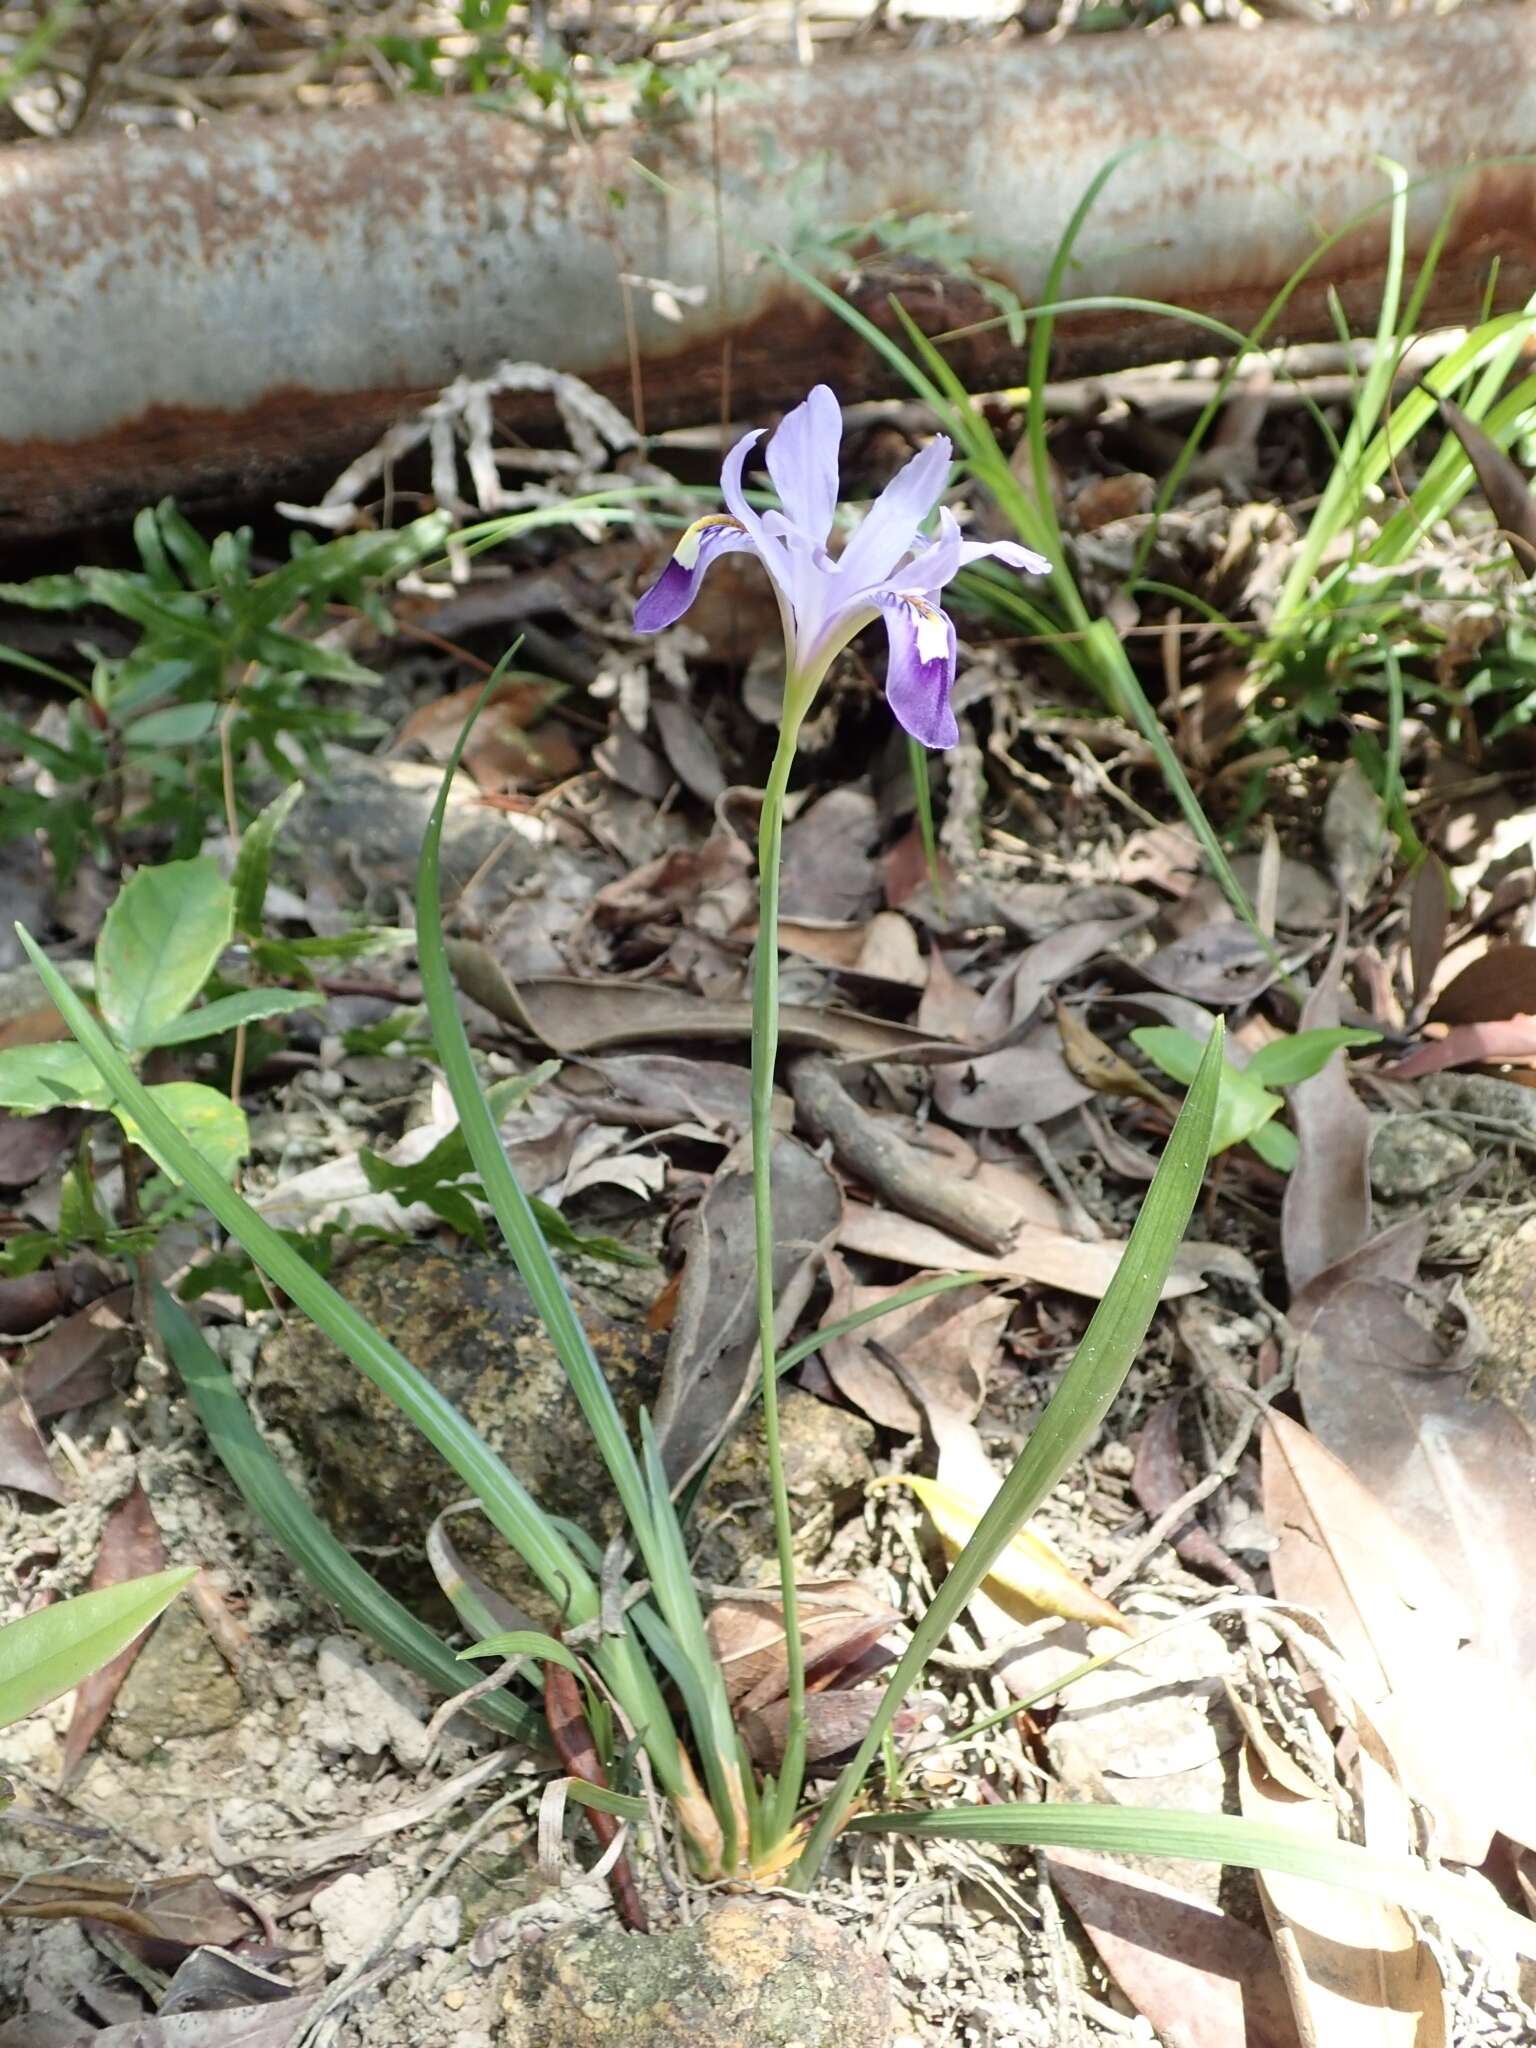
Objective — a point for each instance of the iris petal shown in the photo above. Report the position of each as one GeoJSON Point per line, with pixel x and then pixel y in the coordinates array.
{"type": "Point", "coordinates": [678, 584]}
{"type": "Point", "coordinates": [921, 671]}
{"type": "Point", "coordinates": [802, 461]}
{"type": "Point", "coordinates": [891, 524]}
{"type": "Point", "coordinates": [1025, 560]}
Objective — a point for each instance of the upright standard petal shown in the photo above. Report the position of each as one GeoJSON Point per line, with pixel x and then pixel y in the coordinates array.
{"type": "Point", "coordinates": [921, 670]}
{"type": "Point", "coordinates": [890, 526]}
{"type": "Point", "coordinates": [802, 461]}
{"type": "Point", "coordinates": [678, 584]}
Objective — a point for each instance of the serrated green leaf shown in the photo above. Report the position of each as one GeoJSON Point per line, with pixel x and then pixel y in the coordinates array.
{"type": "Point", "coordinates": [161, 941]}
{"type": "Point", "coordinates": [49, 1652]}
{"type": "Point", "coordinates": [38, 1077]}
{"type": "Point", "coordinates": [253, 864]}
{"type": "Point", "coordinates": [245, 1007]}
{"type": "Point", "coordinates": [210, 1123]}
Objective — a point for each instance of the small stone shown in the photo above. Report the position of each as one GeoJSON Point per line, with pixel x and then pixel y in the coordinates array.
{"type": "Point", "coordinates": [827, 1464]}
{"type": "Point", "coordinates": [178, 1686]}
{"type": "Point", "coordinates": [353, 1913]}
{"type": "Point", "coordinates": [750, 1974]}
{"type": "Point", "coordinates": [365, 1710]}
{"type": "Point", "coordinates": [1410, 1155]}
{"type": "Point", "coordinates": [1502, 1294]}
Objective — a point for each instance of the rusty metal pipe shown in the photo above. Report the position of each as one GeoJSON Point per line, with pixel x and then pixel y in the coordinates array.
{"type": "Point", "coordinates": [235, 308]}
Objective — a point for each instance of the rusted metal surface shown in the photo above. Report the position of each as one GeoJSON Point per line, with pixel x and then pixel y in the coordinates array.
{"type": "Point", "coordinates": [254, 301]}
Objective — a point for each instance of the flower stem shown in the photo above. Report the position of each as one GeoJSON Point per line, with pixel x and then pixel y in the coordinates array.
{"type": "Point", "coordinates": [765, 1045]}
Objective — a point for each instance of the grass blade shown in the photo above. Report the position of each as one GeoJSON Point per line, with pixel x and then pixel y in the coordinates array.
{"type": "Point", "coordinates": [506, 1501]}
{"type": "Point", "coordinates": [1079, 1404]}
{"type": "Point", "coordinates": [1214, 1838]}
{"type": "Point", "coordinates": [49, 1651]}
{"type": "Point", "coordinates": [328, 1566]}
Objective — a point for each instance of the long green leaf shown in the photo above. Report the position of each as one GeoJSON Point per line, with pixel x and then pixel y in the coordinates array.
{"type": "Point", "coordinates": [624, 1664]}
{"type": "Point", "coordinates": [1214, 1838]}
{"type": "Point", "coordinates": [506, 1501]}
{"type": "Point", "coordinates": [246, 1006]}
{"type": "Point", "coordinates": [330, 1568]}
{"type": "Point", "coordinates": [1076, 1409]}
{"type": "Point", "coordinates": [46, 1653]}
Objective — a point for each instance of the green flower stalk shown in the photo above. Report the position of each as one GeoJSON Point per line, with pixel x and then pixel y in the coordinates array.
{"type": "Point", "coordinates": [887, 571]}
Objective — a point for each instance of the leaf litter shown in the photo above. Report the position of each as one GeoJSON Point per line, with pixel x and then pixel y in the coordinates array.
{"type": "Point", "coordinates": [953, 1025]}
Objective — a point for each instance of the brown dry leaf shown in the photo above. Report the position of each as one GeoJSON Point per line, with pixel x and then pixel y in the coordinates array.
{"type": "Point", "coordinates": [1504, 484]}
{"type": "Point", "coordinates": [1046, 1257]}
{"type": "Point", "coordinates": [1028, 1578]}
{"type": "Point", "coordinates": [836, 1722]}
{"type": "Point", "coordinates": [710, 1366]}
{"type": "Point", "coordinates": [708, 886]}
{"type": "Point", "coordinates": [1505, 1040]}
{"type": "Point", "coordinates": [573, 1016]}
{"type": "Point", "coordinates": [1382, 1393]}
{"type": "Point", "coordinates": [130, 1549]}
{"type": "Point", "coordinates": [950, 1007]}
{"type": "Point", "coordinates": [78, 1361]}
{"type": "Point", "coordinates": [884, 949]}
{"type": "Point", "coordinates": [41, 1026]}
{"type": "Point", "coordinates": [1221, 964]}
{"type": "Point", "coordinates": [1358, 1973]}
{"type": "Point", "coordinates": [1498, 986]}
{"type": "Point", "coordinates": [246, 2026]}
{"type": "Point", "coordinates": [1099, 1067]}
{"type": "Point", "coordinates": [164, 1918]}
{"type": "Point", "coordinates": [828, 873]}
{"type": "Point", "coordinates": [1356, 834]}
{"type": "Point", "coordinates": [625, 759]}
{"type": "Point", "coordinates": [1202, 1978]}
{"type": "Point", "coordinates": [454, 1576]}
{"type": "Point", "coordinates": [840, 1621]}
{"type": "Point", "coordinates": [30, 1145]}
{"type": "Point", "coordinates": [500, 753]}
{"type": "Point", "coordinates": [1017, 993]}
{"type": "Point", "coordinates": [1428, 919]}
{"type": "Point", "coordinates": [1157, 1480]}
{"type": "Point", "coordinates": [1028, 1083]}
{"type": "Point", "coordinates": [947, 1344]}
{"type": "Point", "coordinates": [688, 748]}
{"type": "Point", "coordinates": [1326, 1212]}
{"type": "Point", "coordinates": [710, 1093]}
{"type": "Point", "coordinates": [24, 1462]}
{"type": "Point", "coordinates": [1441, 1708]}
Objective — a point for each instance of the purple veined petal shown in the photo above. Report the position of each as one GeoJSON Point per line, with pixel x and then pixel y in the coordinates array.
{"type": "Point", "coordinates": [802, 461]}
{"type": "Point", "coordinates": [1023, 559]}
{"type": "Point", "coordinates": [678, 584]}
{"type": "Point", "coordinates": [921, 671]}
{"type": "Point", "coordinates": [891, 524]}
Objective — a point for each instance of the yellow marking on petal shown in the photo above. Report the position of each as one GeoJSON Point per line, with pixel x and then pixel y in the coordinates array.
{"type": "Point", "coordinates": [686, 553]}
{"type": "Point", "coordinates": [932, 633]}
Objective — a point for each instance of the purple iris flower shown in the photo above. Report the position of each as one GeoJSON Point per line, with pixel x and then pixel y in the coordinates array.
{"type": "Point", "coordinates": [887, 570]}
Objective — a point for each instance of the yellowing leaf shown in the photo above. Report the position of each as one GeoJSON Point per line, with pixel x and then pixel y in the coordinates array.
{"type": "Point", "coordinates": [1028, 1578]}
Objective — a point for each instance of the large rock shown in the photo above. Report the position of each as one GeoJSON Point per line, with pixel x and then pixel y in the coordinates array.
{"type": "Point", "coordinates": [178, 1685]}
{"type": "Point", "coordinates": [467, 1323]}
{"type": "Point", "coordinates": [750, 1974]}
